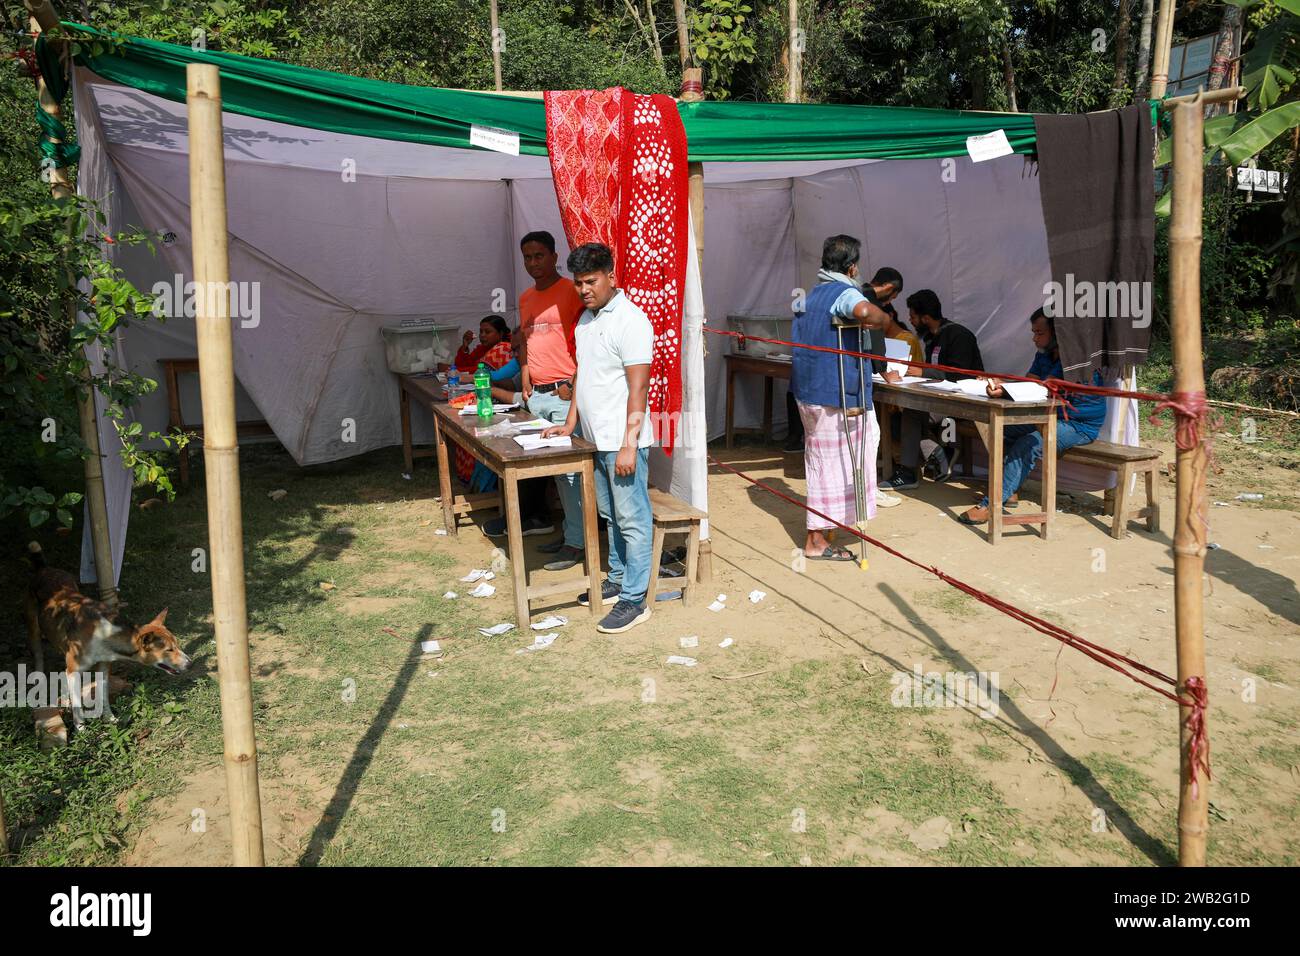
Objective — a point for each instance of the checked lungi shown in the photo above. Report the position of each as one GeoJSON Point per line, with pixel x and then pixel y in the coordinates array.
{"type": "Point", "coordinates": [828, 464]}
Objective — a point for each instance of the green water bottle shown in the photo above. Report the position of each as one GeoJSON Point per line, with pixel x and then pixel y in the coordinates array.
{"type": "Point", "coordinates": [483, 392]}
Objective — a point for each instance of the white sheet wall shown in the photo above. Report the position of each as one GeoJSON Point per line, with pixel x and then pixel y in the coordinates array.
{"type": "Point", "coordinates": [346, 234]}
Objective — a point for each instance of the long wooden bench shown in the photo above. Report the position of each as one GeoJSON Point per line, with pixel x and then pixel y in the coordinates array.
{"type": "Point", "coordinates": [1126, 461]}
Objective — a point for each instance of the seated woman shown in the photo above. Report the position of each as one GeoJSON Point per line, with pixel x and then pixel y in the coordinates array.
{"type": "Point", "coordinates": [1025, 442]}
{"type": "Point", "coordinates": [491, 332]}
{"type": "Point", "coordinates": [495, 353]}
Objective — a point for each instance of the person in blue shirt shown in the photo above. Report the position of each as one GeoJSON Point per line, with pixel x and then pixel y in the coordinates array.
{"type": "Point", "coordinates": [1025, 441]}
{"type": "Point", "coordinates": [837, 300]}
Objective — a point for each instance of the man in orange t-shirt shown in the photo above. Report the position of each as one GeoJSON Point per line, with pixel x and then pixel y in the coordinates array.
{"type": "Point", "coordinates": [548, 314]}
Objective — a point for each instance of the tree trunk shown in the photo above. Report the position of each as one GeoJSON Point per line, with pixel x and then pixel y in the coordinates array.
{"type": "Point", "coordinates": [1142, 75]}
{"type": "Point", "coordinates": [1009, 75]}
{"type": "Point", "coordinates": [654, 34]}
{"type": "Point", "coordinates": [1223, 54]}
{"type": "Point", "coordinates": [1121, 52]}
{"type": "Point", "coordinates": [794, 56]}
{"type": "Point", "coordinates": [683, 36]}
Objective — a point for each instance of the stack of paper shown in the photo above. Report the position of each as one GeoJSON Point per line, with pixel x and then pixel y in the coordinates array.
{"type": "Point", "coordinates": [534, 442]}
{"type": "Point", "coordinates": [1025, 391]}
{"type": "Point", "coordinates": [472, 409]}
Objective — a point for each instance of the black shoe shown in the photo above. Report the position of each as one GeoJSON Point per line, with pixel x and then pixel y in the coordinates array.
{"type": "Point", "coordinates": [565, 558]}
{"type": "Point", "coordinates": [537, 526]}
{"type": "Point", "coordinates": [609, 592]}
{"type": "Point", "coordinates": [904, 480]}
{"type": "Point", "coordinates": [625, 616]}
{"type": "Point", "coordinates": [495, 527]}
{"type": "Point", "coordinates": [941, 463]}
{"type": "Point", "coordinates": [551, 547]}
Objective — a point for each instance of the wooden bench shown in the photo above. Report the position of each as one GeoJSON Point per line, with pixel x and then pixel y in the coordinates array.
{"type": "Point", "coordinates": [1126, 461]}
{"type": "Point", "coordinates": [674, 516]}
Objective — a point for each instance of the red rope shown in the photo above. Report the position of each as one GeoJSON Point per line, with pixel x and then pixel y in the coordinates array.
{"type": "Point", "coordinates": [1198, 745]}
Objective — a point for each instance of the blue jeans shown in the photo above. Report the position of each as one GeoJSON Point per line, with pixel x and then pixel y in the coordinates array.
{"type": "Point", "coordinates": [624, 502]}
{"type": "Point", "coordinates": [1024, 444]}
{"type": "Point", "coordinates": [550, 406]}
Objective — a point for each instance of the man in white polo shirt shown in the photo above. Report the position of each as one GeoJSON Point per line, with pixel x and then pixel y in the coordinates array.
{"type": "Point", "coordinates": [611, 388]}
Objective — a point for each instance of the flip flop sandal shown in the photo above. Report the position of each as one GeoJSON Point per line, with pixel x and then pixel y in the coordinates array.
{"type": "Point", "coordinates": [833, 553]}
{"type": "Point", "coordinates": [965, 519]}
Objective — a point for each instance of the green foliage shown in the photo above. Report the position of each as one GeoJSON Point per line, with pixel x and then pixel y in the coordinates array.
{"type": "Point", "coordinates": [723, 40]}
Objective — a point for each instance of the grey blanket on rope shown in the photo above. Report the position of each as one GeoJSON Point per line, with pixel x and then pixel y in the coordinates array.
{"type": "Point", "coordinates": [1098, 197]}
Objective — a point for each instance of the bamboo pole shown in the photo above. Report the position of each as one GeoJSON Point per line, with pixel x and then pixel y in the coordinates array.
{"type": "Point", "coordinates": [1189, 529]}
{"type": "Point", "coordinates": [221, 456]}
{"type": "Point", "coordinates": [692, 92]}
{"type": "Point", "coordinates": [1164, 39]}
{"type": "Point", "coordinates": [794, 75]}
{"type": "Point", "coordinates": [496, 45]}
{"type": "Point", "coordinates": [43, 17]}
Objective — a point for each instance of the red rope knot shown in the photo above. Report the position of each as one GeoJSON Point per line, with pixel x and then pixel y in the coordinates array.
{"type": "Point", "coordinates": [692, 86]}
{"type": "Point", "coordinates": [1190, 410]}
{"type": "Point", "coordinates": [1198, 747]}
{"type": "Point", "coordinates": [1058, 389]}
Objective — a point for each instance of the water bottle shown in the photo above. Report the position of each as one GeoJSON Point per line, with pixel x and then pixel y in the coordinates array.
{"type": "Point", "coordinates": [483, 392]}
{"type": "Point", "coordinates": [453, 379]}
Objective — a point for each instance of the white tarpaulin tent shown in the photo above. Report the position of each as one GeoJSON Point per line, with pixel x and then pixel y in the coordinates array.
{"type": "Point", "coordinates": [337, 235]}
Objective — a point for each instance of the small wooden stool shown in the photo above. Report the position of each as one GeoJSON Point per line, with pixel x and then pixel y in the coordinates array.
{"type": "Point", "coordinates": [673, 516]}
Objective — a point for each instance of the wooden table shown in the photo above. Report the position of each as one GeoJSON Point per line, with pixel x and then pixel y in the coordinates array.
{"type": "Point", "coordinates": [511, 464]}
{"type": "Point", "coordinates": [172, 370]}
{"type": "Point", "coordinates": [990, 416]}
{"type": "Point", "coordinates": [770, 369]}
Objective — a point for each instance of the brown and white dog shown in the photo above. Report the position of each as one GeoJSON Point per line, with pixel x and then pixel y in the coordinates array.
{"type": "Point", "coordinates": [89, 634]}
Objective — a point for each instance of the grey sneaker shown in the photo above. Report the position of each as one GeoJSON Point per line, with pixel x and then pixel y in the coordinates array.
{"type": "Point", "coordinates": [625, 616]}
{"type": "Point", "coordinates": [537, 526]}
{"type": "Point", "coordinates": [609, 592]}
{"type": "Point", "coordinates": [567, 557]}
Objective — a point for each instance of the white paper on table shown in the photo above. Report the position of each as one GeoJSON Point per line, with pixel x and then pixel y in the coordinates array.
{"type": "Point", "coordinates": [478, 574]}
{"type": "Point", "coordinates": [684, 661]}
{"type": "Point", "coordinates": [483, 589]}
{"type": "Point", "coordinates": [1025, 391]}
{"type": "Point", "coordinates": [495, 629]}
{"type": "Point", "coordinates": [905, 380]}
{"type": "Point", "coordinates": [535, 425]}
{"type": "Point", "coordinates": [988, 146]}
{"type": "Point", "coordinates": [897, 349]}
{"type": "Point", "coordinates": [541, 642]}
{"type": "Point", "coordinates": [534, 442]}
{"type": "Point", "coordinates": [942, 385]}
{"type": "Point", "coordinates": [496, 409]}
{"type": "Point", "coordinates": [974, 387]}
{"type": "Point", "coordinates": [553, 620]}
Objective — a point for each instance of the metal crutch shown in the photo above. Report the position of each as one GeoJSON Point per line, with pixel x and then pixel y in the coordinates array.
{"type": "Point", "coordinates": [859, 490]}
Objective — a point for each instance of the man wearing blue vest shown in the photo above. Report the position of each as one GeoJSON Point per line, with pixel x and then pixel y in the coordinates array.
{"type": "Point", "coordinates": [836, 301]}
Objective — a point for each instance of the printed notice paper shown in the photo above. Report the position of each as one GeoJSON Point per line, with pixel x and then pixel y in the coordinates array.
{"type": "Point", "coordinates": [989, 146]}
{"type": "Point", "coordinates": [501, 140]}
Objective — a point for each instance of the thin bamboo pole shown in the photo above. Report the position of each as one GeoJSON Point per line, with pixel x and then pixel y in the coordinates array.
{"type": "Point", "coordinates": [43, 17]}
{"type": "Point", "coordinates": [1189, 529]}
{"type": "Point", "coordinates": [683, 35]}
{"type": "Point", "coordinates": [496, 44]}
{"type": "Point", "coordinates": [1164, 39]}
{"type": "Point", "coordinates": [692, 92]}
{"type": "Point", "coordinates": [794, 75]}
{"type": "Point", "coordinates": [221, 456]}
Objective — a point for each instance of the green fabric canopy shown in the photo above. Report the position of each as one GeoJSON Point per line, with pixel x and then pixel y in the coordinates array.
{"type": "Point", "coordinates": [715, 131]}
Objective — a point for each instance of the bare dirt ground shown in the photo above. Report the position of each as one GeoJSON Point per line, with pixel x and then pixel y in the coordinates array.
{"type": "Point", "coordinates": [788, 746]}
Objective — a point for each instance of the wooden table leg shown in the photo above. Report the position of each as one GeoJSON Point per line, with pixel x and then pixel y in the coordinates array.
{"type": "Point", "coordinates": [177, 422]}
{"type": "Point", "coordinates": [1049, 473]}
{"type": "Point", "coordinates": [767, 406]}
{"type": "Point", "coordinates": [731, 403]}
{"type": "Point", "coordinates": [404, 401]}
{"type": "Point", "coordinates": [887, 444]}
{"type": "Point", "coordinates": [995, 477]}
{"type": "Point", "coordinates": [590, 537]}
{"type": "Point", "coordinates": [444, 479]}
{"type": "Point", "coordinates": [515, 534]}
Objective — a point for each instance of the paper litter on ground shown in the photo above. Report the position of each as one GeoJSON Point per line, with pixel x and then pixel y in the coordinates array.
{"type": "Point", "coordinates": [756, 596]}
{"type": "Point", "coordinates": [540, 642]}
{"type": "Point", "coordinates": [727, 643]}
{"type": "Point", "coordinates": [441, 531]}
{"type": "Point", "coordinates": [495, 629]}
{"type": "Point", "coordinates": [450, 596]}
{"type": "Point", "coordinates": [717, 606]}
{"type": "Point", "coordinates": [429, 647]}
{"type": "Point", "coordinates": [550, 621]}
{"type": "Point", "coordinates": [478, 574]}
{"type": "Point", "coordinates": [684, 661]}
{"type": "Point", "coordinates": [689, 642]}
{"type": "Point", "coordinates": [483, 589]}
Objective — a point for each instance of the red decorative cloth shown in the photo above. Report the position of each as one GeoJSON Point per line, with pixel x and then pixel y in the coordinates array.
{"type": "Point", "coordinates": [618, 160]}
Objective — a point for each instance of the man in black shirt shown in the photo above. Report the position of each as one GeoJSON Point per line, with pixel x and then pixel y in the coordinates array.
{"type": "Point", "coordinates": [946, 343]}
